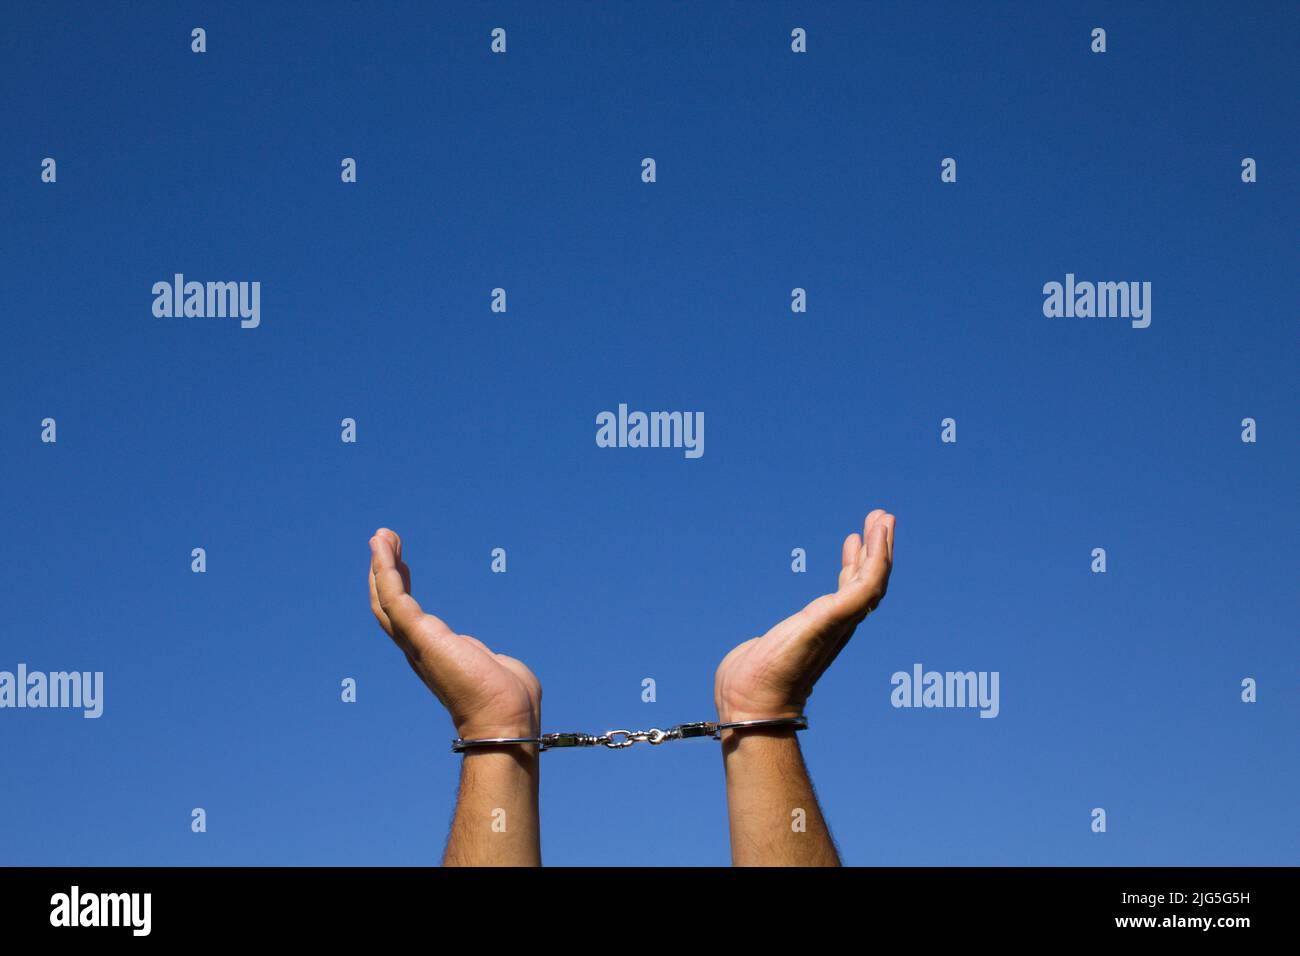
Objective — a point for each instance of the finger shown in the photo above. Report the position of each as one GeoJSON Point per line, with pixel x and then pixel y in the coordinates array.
{"type": "Point", "coordinates": [865, 587]}
{"type": "Point", "coordinates": [849, 557]}
{"type": "Point", "coordinates": [402, 569]}
{"type": "Point", "coordinates": [863, 590]}
{"type": "Point", "coordinates": [375, 606]}
{"type": "Point", "coordinates": [849, 553]}
{"type": "Point", "coordinates": [395, 603]}
{"type": "Point", "coordinates": [876, 568]}
{"type": "Point", "coordinates": [876, 549]}
{"type": "Point", "coordinates": [868, 526]}
{"type": "Point", "coordinates": [375, 609]}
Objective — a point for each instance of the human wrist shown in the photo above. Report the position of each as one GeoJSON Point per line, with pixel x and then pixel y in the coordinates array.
{"type": "Point", "coordinates": [486, 728]}
{"type": "Point", "coordinates": [758, 738]}
{"type": "Point", "coordinates": [735, 711]}
{"type": "Point", "coordinates": [523, 754]}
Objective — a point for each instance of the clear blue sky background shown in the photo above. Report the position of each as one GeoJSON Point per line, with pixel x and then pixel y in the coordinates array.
{"type": "Point", "coordinates": [476, 430]}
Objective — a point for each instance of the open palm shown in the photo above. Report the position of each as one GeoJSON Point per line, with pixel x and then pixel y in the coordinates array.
{"type": "Point", "coordinates": [773, 675]}
{"type": "Point", "coordinates": [487, 694]}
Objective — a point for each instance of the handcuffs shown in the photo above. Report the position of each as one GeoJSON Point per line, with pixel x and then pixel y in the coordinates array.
{"type": "Point", "coordinates": [619, 739]}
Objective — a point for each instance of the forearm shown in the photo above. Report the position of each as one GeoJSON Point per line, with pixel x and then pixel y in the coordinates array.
{"type": "Point", "coordinates": [774, 815]}
{"type": "Point", "coordinates": [496, 821]}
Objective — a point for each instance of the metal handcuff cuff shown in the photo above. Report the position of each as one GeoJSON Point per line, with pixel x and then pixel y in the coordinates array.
{"type": "Point", "coordinates": [618, 739]}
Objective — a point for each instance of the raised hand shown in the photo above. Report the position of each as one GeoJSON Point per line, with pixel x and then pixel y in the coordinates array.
{"type": "Point", "coordinates": [487, 694]}
{"type": "Point", "coordinates": [773, 675]}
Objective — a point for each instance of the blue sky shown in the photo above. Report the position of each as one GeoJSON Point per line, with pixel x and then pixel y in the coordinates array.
{"type": "Point", "coordinates": [476, 430]}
